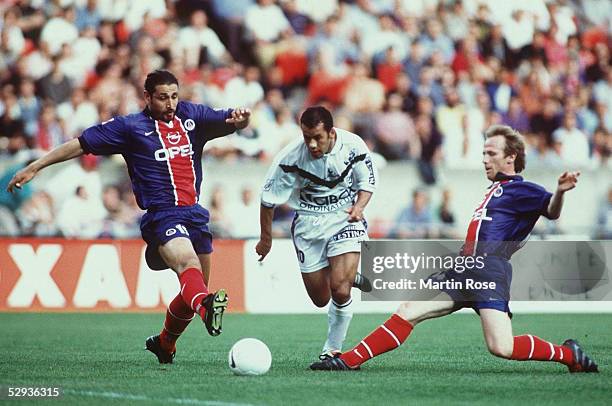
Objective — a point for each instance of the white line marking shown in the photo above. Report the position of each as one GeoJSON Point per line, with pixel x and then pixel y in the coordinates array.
{"type": "Point", "coordinates": [129, 396]}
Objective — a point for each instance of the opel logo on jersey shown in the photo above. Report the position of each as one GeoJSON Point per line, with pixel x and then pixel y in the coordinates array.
{"type": "Point", "coordinates": [164, 154]}
{"type": "Point", "coordinates": [498, 192]}
{"type": "Point", "coordinates": [189, 124]}
{"type": "Point", "coordinates": [174, 138]}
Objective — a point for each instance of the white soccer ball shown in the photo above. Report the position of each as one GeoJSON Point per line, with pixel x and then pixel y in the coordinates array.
{"type": "Point", "coordinates": [250, 356]}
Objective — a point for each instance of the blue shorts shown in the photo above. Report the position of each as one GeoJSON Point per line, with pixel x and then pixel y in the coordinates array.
{"type": "Point", "coordinates": [497, 270]}
{"type": "Point", "coordinates": [158, 226]}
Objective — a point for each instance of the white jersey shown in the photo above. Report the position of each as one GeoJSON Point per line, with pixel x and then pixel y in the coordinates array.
{"type": "Point", "coordinates": [320, 185]}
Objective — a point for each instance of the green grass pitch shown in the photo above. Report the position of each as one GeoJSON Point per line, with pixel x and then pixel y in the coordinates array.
{"type": "Point", "coordinates": [99, 359]}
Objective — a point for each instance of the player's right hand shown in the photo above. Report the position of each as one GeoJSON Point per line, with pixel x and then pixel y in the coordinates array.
{"type": "Point", "coordinates": [263, 248]}
{"type": "Point", "coordinates": [21, 178]}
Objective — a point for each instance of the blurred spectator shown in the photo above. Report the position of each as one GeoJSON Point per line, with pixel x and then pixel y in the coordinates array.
{"type": "Point", "coordinates": [431, 153]}
{"type": "Point", "coordinates": [37, 216]}
{"type": "Point", "coordinates": [388, 70]}
{"type": "Point", "coordinates": [571, 143]}
{"type": "Point", "coordinates": [602, 148]}
{"type": "Point", "coordinates": [29, 105]}
{"type": "Point", "coordinates": [451, 120]}
{"type": "Point", "coordinates": [88, 15]}
{"type": "Point", "coordinates": [477, 121]}
{"type": "Point", "coordinates": [49, 133]}
{"type": "Point", "coordinates": [121, 221]}
{"type": "Point", "coordinates": [415, 221]}
{"type": "Point", "coordinates": [244, 90]}
{"type": "Point", "coordinates": [516, 117]}
{"type": "Point", "coordinates": [435, 39]}
{"type": "Point", "coordinates": [81, 216]}
{"type": "Point", "coordinates": [60, 30]}
{"type": "Point", "coordinates": [363, 94]}
{"type": "Point", "coordinates": [55, 86]}
{"type": "Point", "coordinates": [604, 218]}
{"type": "Point", "coordinates": [277, 134]}
{"type": "Point", "coordinates": [395, 134]}
{"type": "Point", "coordinates": [385, 36]}
{"type": "Point", "coordinates": [267, 25]}
{"type": "Point", "coordinates": [77, 114]}
{"type": "Point", "coordinates": [543, 124]}
{"type": "Point", "coordinates": [300, 23]}
{"type": "Point", "coordinates": [73, 174]}
{"type": "Point", "coordinates": [232, 14]}
{"type": "Point", "coordinates": [539, 154]}
{"type": "Point", "coordinates": [200, 44]}
{"type": "Point", "coordinates": [329, 36]}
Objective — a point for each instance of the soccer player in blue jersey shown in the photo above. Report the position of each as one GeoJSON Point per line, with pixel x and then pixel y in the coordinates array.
{"type": "Point", "coordinates": [508, 213]}
{"type": "Point", "coordinates": [162, 146]}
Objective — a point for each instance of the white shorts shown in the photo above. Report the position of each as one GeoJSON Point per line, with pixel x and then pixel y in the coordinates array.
{"type": "Point", "coordinates": [317, 237]}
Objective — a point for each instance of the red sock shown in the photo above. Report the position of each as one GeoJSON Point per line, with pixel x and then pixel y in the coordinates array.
{"type": "Point", "coordinates": [178, 317]}
{"type": "Point", "coordinates": [385, 338]}
{"type": "Point", "coordinates": [193, 290]}
{"type": "Point", "coordinates": [533, 348]}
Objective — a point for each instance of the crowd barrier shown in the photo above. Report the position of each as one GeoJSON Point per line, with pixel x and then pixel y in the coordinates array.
{"type": "Point", "coordinates": [112, 276]}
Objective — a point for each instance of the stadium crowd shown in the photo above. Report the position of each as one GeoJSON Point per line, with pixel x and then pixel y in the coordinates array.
{"type": "Point", "coordinates": [419, 80]}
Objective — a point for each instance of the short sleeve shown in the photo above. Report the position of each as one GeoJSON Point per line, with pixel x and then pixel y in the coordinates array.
{"type": "Point", "coordinates": [532, 199]}
{"type": "Point", "coordinates": [279, 184]}
{"type": "Point", "coordinates": [107, 138]}
{"type": "Point", "coordinates": [365, 173]}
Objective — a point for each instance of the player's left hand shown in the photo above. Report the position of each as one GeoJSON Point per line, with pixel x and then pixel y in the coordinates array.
{"type": "Point", "coordinates": [239, 117]}
{"type": "Point", "coordinates": [355, 214]}
{"type": "Point", "coordinates": [21, 178]}
{"type": "Point", "coordinates": [567, 181]}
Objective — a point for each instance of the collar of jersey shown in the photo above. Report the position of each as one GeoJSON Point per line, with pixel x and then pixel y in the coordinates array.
{"type": "Point", "coordinates": [500, 177]}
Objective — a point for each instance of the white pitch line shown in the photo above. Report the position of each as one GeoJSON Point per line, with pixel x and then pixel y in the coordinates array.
{"type": "Point", "coordinates": [128, 396]}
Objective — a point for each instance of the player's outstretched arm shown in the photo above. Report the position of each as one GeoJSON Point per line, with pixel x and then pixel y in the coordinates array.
{"type": "Point", "coordinates": [240, 117]}
{"type": "Point", "coordinates": [264, 245]}
{"type": "Point", "coordinates": [64, 152]}
{"type": "Point", "coordinates": [567, 181]}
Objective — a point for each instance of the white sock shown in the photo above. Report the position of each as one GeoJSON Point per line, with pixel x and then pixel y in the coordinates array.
{"type": "Point", "coordinates": [338, 318]}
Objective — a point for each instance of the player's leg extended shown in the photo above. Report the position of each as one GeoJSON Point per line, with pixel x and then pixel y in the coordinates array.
{"type": "Point", "coordinates": [193, 271]}
{"type": "Point", "coordinates": [391, 334]}
{"type": "Point", "coordinates": [343, 269]}
{"type": "Point", "coordinates": [497, 329]}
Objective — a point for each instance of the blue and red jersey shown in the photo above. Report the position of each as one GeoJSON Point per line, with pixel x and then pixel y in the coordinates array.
{"type": "Point", "coordinates": [505, 217]}
{"type": "Point", "coordinates": [164, 159]}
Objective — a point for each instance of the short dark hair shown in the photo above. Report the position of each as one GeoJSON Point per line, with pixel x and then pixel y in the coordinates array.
{"type": "Point", "coordinates": [159, 77]}
{"type": "Point", "coordinates": [515, 145]}
{"type": "Point", "coordinates": [312, 116]}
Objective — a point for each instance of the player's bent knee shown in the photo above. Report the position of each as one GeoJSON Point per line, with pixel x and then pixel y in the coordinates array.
{"type": "Point", "coordinates": [320, 301]}
{"type": "Point", "coordinates": [182, 264]}
{"type": "Point", "coordinates": [500, 350]}
{"type": "Point", "coordinates": [341, 292]}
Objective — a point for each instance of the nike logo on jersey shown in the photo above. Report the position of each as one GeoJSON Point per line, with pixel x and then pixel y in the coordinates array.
{"type": "Point", "coordinates": [149, 132]}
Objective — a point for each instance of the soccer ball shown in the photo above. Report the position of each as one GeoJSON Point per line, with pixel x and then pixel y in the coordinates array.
{"type": "Point", "coordinates": [250, 356]}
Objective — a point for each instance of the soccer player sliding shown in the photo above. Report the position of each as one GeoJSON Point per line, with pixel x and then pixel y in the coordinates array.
{"type": "Point", "coordinates": [508, 213]}
{"type": "Point", "coordinates": [162, 146]}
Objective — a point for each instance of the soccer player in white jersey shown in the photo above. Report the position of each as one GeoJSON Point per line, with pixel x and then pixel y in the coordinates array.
{"type": "Point", "coordinates": [328, 178]}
